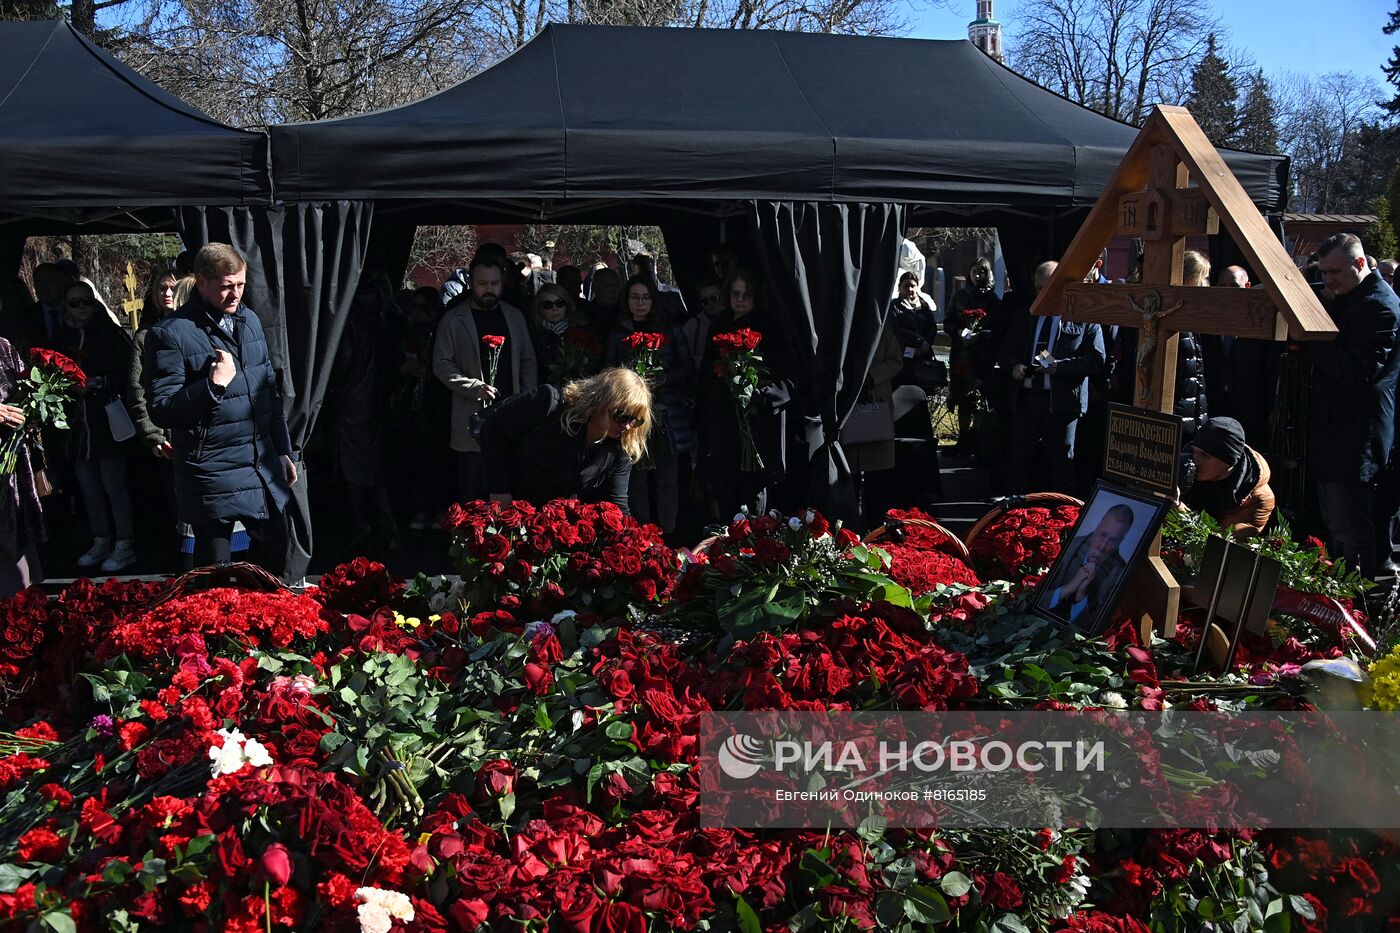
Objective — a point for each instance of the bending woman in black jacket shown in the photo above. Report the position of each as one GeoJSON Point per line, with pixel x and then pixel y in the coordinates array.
{"type": "Point", "coordinates": [579, 442]}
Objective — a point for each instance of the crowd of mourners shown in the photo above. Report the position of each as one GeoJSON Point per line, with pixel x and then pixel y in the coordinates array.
{"type": "Point", "coordinates": [512, 380]}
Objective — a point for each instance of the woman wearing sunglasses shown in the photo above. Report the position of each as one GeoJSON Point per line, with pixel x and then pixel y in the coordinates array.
{"type": "Point", "coordinates": [554, 316]}
{"type": "Point", "coordinates": [93, 338]}
{"type": "Point", "coordinates": [576, 443]}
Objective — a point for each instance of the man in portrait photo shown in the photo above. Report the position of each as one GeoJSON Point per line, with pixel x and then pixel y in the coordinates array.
{"type": "Point", "coordinates": [1089, 571]}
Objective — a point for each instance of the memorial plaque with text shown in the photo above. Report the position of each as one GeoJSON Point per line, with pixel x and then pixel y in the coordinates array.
{"type": "Point", "coordinates": [1143, 449]}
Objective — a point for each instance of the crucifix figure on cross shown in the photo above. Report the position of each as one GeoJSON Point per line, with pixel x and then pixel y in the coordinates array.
{"type": "Point", "coordinates": [1152, 312]}
{"type": "Point", "coordinates": [1173, 184]}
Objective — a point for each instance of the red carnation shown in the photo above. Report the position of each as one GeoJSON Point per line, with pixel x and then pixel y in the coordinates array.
{"type": "Point", "coordinates": [493, 341]}
{"type": "Point", "coordinates": [42, 845]}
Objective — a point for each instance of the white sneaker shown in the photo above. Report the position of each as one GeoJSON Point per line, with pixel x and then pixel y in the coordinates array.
{"type": "Point", "coordinates": [101, 547]}
{"type": "Point", "coordinates": [122, 557]}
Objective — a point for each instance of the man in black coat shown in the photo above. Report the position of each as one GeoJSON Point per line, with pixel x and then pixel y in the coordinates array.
{"type": "Point", "coordinates": [1351, 418]}
{"type": "Point", "coordinates": [209, 380]}
{"type": "Point", "coordinates": [1050, 362]}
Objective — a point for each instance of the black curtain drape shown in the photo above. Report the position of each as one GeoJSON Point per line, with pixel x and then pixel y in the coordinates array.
{"type": "Point", "coordinates": [304, 261]}
{"type": "Point", "coordinates": [830, 270]}
{"type": "Point", "coordinates": [1027, 242]}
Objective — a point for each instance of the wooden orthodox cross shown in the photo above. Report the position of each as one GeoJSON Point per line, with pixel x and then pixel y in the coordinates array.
{"type": "Point", "coordinates": [134, 302]}
{"type": "Point", "coordinates": [1151, 196]}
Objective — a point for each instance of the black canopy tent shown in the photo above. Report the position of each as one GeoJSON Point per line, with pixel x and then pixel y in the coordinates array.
{"type": "Point", "coordinates": [84, 140]}
{"type": "Point", "coordinates": [594, 122]}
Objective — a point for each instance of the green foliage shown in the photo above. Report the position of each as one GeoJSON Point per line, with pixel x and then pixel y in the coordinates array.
{"type": "Point", "coordinates": [1379, 237]}
{"type": "Point", "coordinates": [1213, 94]}
{"type": "Point", "coordinates": [1305, 566]}
{"type": "Point", "coordinates": [1258, 125]}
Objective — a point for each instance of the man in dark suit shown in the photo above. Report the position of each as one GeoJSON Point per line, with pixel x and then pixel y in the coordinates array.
{"type": "Point", "coordinates": [1351, 418]}
{"type": "Point", "coordinates": [1050, 362]}
{"type": "Point", "coordinates": [1090, 570]}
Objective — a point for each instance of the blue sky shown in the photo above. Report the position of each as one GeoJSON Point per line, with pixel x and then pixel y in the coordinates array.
{"type": "Point", "coordinates": [1282, 35]}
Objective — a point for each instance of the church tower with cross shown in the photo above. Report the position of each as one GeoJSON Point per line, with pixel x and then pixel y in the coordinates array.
{"type": "Point", "coordinates": [985, 32]}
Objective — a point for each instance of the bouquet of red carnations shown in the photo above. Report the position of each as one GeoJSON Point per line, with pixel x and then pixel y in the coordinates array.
{"type": "Point", "coordinates": [741, 368]}
{"type": "Point", "coordinates": [43, 396]}
{"type": "Point", "coordinates": [973, 318]}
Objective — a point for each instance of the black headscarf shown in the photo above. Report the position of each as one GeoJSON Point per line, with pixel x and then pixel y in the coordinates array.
{"type": "Point", "coordinates": [1223, 439]}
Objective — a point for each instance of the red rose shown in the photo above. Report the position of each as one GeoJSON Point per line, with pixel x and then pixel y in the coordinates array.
{"type": "Point", "coordinates": [538, 678]}
{"type": "Point", "coordinates": [497, 777]}
{"type": "Point", "coordinates": [621, 917]}
{"type": "Point", "coordinates": [493, 548]}
{"type": "Point", "coordinates": [1000, 890]}
{"type": "Point", "coordinates": [469, 913]}
{"type": "Point", "coordinates": [276, 864]}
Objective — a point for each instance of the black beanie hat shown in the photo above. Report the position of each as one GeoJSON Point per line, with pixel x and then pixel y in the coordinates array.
{"type": "Point", "coordinates": [1222, 438]}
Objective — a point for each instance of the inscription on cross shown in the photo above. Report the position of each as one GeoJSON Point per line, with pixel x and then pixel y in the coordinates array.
{"type": "Point", "coordinates": [1152, 196]}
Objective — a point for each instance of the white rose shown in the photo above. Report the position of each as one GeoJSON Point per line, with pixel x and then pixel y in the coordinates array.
{"type": "Point", "coordinates": [794, 523]}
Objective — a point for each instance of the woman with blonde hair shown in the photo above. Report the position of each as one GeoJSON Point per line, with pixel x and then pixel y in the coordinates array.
{"type": "Point", "coordinates": [579, 442]}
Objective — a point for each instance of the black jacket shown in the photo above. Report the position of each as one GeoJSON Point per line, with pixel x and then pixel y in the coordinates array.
{"type": "Point", "coordinates": [1078, 352]}
{"type": "Point", "coordinates": [1190, 402]}
{"type": "Point", "coordinates": [104, 352]}
{"type": "Point", "coordinates": [226, 444]}
{"type": "Point", "coordinates": [719, 421]}
{"type": "Point", "coordinates": [1351, 416]}
{"type": "Point", "coordinates": [529, 453]}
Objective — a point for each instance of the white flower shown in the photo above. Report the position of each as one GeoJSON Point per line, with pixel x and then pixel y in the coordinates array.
{"type": "Point", "coordinates": [563, 616]}
{"type": "Point", "coordinates": [1114, 700]}
{"type": "Point", "coordinates": [235, 752]}
{"type": "Point", "coordinates": [437, 602]}
{"type": "Point", "coordinates": [794, 523]}
{"type": "Point", "coordinates": [809, 517]}
{"type": "Point", "coordinates": [374, 918]}
{"type": "Point", "coordinates": [738, 516]}
{"type": "Point", "coordinates": [395, 905]}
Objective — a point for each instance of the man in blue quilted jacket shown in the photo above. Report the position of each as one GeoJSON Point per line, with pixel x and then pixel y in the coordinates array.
{"type": "Point", "coordinates": [209, 380]}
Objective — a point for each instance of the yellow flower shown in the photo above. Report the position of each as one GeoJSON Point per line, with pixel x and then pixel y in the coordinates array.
{"type": "Point", "coordinates": [1383, 691]}
{"type": "Point", "coordinates": [409, 623]}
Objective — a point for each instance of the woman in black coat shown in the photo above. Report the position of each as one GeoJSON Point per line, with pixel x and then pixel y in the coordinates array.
{"type": "Point", "coordinates": [576, 443]}
{"type": "Point", "coordinates": [727, 485]}
{"type": "Point", "coordinates": [91, 336]}
{"type": "Point", "coordinates": [655, 490]}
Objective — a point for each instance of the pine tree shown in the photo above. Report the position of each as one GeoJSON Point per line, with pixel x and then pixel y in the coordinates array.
{"type": "Point", "coordinates": [1213, 96]}
{"type": "Point", "coordinates": [1392, 67]}
{"type": "Point", "coordinates": [1258, 129]}
{"type": "Point", "coordinates": [1379, 237]}
{"type": "Point", "coordinates": [1393, 197]}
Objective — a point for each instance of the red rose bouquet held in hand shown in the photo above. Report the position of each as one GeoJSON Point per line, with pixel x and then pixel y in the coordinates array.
{"type": "Point", "coordinates": [642, 349]}
{"type": "Point", "coordinates": [973, 319]}
{"type": "Point", "coordinates": [492, 344]}
{"type": "Point", "coordinates": [43, 396]}
{"type": "Point", "coordinates": [579, 356]}
{"type": "Point", "coordinates": [741, 367]}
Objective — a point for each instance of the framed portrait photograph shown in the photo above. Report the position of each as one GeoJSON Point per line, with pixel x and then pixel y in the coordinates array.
{"type": "Point", "coordinates": [1105, 547]}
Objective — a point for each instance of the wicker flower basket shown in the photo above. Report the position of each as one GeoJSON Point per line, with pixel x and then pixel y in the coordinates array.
{"type": "Point", "coordinates": [955, 543]}
{"type": "Point", "coordinates": [1041, 499]}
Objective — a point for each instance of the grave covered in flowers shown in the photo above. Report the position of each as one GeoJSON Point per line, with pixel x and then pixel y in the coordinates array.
{"type": "Point", "coordinates": [515, 746]}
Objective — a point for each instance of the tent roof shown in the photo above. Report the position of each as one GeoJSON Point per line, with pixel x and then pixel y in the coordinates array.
{"type": "Point", "coordinates": [80, 130]}
{"type": "Point", "coordinates": [628, 113]}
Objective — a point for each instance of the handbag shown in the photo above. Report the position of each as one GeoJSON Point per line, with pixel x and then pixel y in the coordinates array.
{"type": "Point", "coordinates": [119, 421]}
{"type": "Point", "coordinates": [869, 423]}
